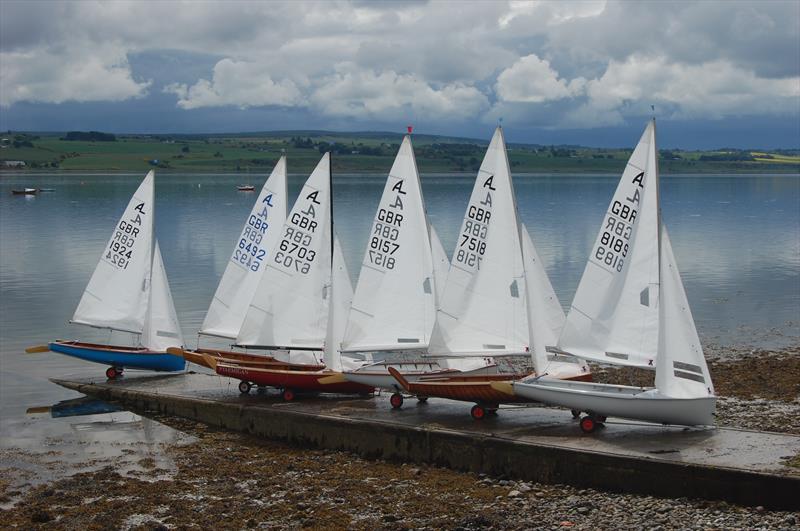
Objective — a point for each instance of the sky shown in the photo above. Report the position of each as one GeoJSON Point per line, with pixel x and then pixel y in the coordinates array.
{"type": "Point", "coordinates": [718, 73]}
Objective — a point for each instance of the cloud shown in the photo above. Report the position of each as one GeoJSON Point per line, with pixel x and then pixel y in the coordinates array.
{"type": "Point", "coordinates": [57, 75]}
{"type": "Point", "coordinates": [236, 83]}
{"type": "Point", "coordinates": [531, 80]}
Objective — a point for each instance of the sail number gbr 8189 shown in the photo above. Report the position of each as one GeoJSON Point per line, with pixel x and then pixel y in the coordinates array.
{"type": "Point", "coordinates": [613, 241]}
{"type": "Point", "coordinates": [120, 249]}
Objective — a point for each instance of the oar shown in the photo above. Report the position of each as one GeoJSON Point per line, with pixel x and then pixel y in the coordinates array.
{"type": "Point", "coordinates": [35, 410]}
{"type": "Point", "coordinates": [399, 377]}
{"type": "Point", "coordinates": [503, 387]}
{"type": "Point", "coordinates": [37, 348]}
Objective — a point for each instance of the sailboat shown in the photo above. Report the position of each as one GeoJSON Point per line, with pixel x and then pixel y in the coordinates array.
{"type": "Point", "coordinates": [129, 292]}
{"type": "Point", "coordinates": [631, 309]}
{"type": "Point", "coordinates": [490, 306]}
{"type": "Point", "coordinates": [301, 300]}
{"type": "Point", "coordinates": [255, 245]}
{"type": "Point", "coordinates": [394, 307]}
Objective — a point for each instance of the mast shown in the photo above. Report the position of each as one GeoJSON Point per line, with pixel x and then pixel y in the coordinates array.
{"type": "Point", "coordinates": [330, 205]}
{"type": "Point", "coordinates": [657, 178]}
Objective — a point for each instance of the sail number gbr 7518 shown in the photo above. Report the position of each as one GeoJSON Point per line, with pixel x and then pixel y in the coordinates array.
{"type": "Point", "coordinates": [120, 249]}
{"type": "Point", "coordinates": [472, 240]}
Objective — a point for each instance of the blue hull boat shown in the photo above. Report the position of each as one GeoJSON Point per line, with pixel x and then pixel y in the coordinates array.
{"type": "Point", "coordinates": [120, 357]}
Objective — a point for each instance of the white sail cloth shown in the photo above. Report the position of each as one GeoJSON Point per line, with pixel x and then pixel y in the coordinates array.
{"type": "Point", "coordinates": [483, 309]}
{"type": "Point", "coordinates": [254, 248]}
{"type": "Point", "coordinates": [614, 315]}
{"type": "Point", "coordinates": [117, 295]}
{"type": "Point", "coordinates": [290, 306]}
{"type": "Point", "coordinates": [394, 307]}
{"type": "Point", "coordinates": [161, 329]}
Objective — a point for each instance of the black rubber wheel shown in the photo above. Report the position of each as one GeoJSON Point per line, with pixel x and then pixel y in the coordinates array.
{"type": "Point", "coordinates": [576, 414]}
{"type": "Point", "coordinates": [112, 373]}
{"type": "Point", "coordinates": [244, 387]}
{"type": "Point", "coordinates": [396, 400]}
{"type": "Point", "coordinates": [477, 412]}
{"type": "Point", "coordinates": [588, 425]}
{"type": "Point", "coordinates": [288, 395]}
{"type": "Point", "coordinates": [422, 399]}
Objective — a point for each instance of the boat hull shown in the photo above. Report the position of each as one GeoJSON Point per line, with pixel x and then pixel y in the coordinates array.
{"type": "Point", "coordinates": [295, 379]}
{"type": "Point", "coordinates": [635, 403]}
{"type": "Point", "coordinates": [209, 357]}
{"type": "Point", "coordinates": [119, 356]}
{"type": "Point", "coordinates": [377, 375]}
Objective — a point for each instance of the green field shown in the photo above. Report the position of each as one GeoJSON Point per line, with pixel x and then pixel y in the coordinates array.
{"type": "Point", "coordinates": [352, 152]}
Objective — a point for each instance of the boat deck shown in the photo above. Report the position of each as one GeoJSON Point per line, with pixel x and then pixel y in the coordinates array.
{"type": "Point", "coordinates": [530, 443]}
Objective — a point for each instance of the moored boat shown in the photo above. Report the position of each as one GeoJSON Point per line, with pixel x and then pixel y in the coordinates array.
{"type": "Point", "coordinates": [25, 191]}
{"type": "Point", "coordinates": [246, 188]}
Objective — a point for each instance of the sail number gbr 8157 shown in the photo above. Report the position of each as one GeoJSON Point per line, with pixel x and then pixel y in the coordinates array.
{"type": "Point", "coordinates": [386, 230]}
{"type": "Point", "coordinates": [613, 241]}
{"type": "Point", "coordinates": [294, 250]}
{"type": "Point", "coordinates": [249, 253]}
{"type": "Point", "coordinates": [472, 240]}
{"type": "Point", "coordinates": [120, 249]}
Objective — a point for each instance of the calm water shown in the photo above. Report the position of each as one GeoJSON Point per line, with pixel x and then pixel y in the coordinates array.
{"type": "Point", "coordinates": [736, 238]}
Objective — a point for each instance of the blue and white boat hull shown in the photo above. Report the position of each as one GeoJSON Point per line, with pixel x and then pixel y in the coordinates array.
{"type": "Point", "coordinates": [120, 357]}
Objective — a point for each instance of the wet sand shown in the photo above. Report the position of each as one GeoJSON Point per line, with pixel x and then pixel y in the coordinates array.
{"type": "Point", "coordinates": [213, 479]}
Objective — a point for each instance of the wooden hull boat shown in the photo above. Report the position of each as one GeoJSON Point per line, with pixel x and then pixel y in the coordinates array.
{"type": "Point", "coordinates": [290, 379]}
{"type": "Point", "coordinates": [481, 389]}
{"type": "Point", "coordinates": [119, 357]}
{"type": "Point", "coordinates": [608, 400]}
{"type": "Point", "coordinates": [200, 356]}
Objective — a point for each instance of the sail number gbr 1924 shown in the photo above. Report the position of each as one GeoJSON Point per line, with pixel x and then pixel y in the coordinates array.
{"type": "Point", "coordinates": [120, 249]}
{"type": "Point", "coordinates": [472, 240]}
{"type": "Point", "coordinates": [613, 242]}
{"type": "Point", "coordinates": [249, 253]}
{"type": "Point", "coordinates": [386, 230]}
{"type": "Point", "coordinates": [294, 250]}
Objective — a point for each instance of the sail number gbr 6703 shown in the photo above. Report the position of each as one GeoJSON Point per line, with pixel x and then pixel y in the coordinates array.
{"type": "Point", "coordinates": [120, 249]}
{"type": "Point", "coordinates": [294, 250]}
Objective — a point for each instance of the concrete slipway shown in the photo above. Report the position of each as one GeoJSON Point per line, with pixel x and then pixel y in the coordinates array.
{"type": "Point", "coordinates": [529, 443]}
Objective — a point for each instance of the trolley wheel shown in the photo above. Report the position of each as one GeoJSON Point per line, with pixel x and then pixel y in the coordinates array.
{"type": "Point", "coordinates": [244, 387]}
{"type": "Point", "coordinates": [112, 373]}
{"type": "Point", "coordinates": [477, 412]}
{"type": "Point", "coordinates": [576, 414]}
{"type": "Point", "coordinates": [287, 395]}
{"type": "Point", "coordinates": [422, 399]}
{"type": "Point", "coordinates": [588, 424]}
{"type": "Point", "coordinates": [396, 400]}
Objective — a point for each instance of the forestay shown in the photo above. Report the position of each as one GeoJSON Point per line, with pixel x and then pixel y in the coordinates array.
{"type": "Point", "coordinates": [545, 314]}
{"type": "Point", "coordinates": [161, 329]}
{"type": "Point", "coordinates": [394, 306]}
{"type": "Point", "coordinates": [614, 315]}
{"type": "Point", "coordinates": [118, 293]}
{"type": "Point", "coordinates": [254, 247]}
{"type": "Point", "coordinates": [681, 370]}
{"type": "Point", "coordinates": [290, 306]}
{"type": "Point", "coordinates": [483, 311]}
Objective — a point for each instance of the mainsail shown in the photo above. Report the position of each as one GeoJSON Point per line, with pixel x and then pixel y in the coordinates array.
{"type": "Point", "coordinates": [161, 329]}
{"type": "Point", "coordinates": [341, 298]}
{"type": "Point", "coordinates": [290, 306]}
{"type": "Point", "coordinates": [117, 296]}
{"type": "Point", "coordinates": [482, 311]}
{"type": "Point", "coordinates": [255, 247]}
{"type": "Point", "coordinates": [394, 306]}
{"type": "Point", "coordinates": [614, 315]}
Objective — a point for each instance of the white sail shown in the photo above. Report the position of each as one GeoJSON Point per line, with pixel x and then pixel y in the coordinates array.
{"type": "Point", "coordinates": [254, 247]}
{"type": "Point", "coordinates": [341, 299]}
{"type": "Point", "coordinates": [395, 302]}
{"type": "Point", "coordinates": [118, 292]}
{"type": "Point", "coordinates": [290, 306]}
{"type": "Point", "coordinates": [614, 315]}
{"type": "Point", "coordinates": [161, 328]}
{"type": "Point", "coordinates": [483, 308]}
{"type": "Point", "coordinates": [441, 265]}
{"type": "Point", "coordinates": [681, 369]}
{"type": "Point", "coordinates": [545, 314]}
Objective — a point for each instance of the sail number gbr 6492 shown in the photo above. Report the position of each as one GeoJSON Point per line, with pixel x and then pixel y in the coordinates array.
{"type": "Point", "coordinates": [121, 247]}
{"type": "Point", "coordinates": [249, 253]}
